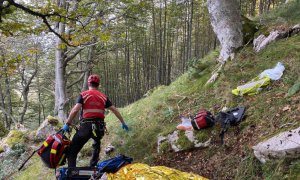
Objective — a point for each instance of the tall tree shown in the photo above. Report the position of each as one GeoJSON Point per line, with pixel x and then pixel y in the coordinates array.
{"type": "Point", "coordinates": [225, 18]}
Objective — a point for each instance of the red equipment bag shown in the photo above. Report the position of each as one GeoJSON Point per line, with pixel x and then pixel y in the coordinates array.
{"type": "Point", "coordinates": [203, 119]}
{"type": "Point", "coordinates": [54, 149]}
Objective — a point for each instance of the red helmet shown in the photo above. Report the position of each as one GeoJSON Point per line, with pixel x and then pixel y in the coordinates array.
{"type": "Point", "coordinates": [94, 79]}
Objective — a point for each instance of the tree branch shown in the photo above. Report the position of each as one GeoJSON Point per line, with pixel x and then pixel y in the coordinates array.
{"type": "Point", "coordinates": [8, 114]}
{"type": "Point", "coordinates": [77, 81]}
{"type": "Point", "coordinates": [43, 17]}
{"type": "Point", "coordinates": [72, 56]}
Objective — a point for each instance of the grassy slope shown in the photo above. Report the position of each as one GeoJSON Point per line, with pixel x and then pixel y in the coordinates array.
{"type": "Point", "coordinates": [158, 113]}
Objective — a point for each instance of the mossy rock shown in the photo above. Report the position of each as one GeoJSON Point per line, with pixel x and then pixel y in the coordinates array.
{"type": "Point", "coordinates": [249, 29]}
{"type": "Point", "coordinates": [203, 135]}
{"type": "Point", "coordinates": [263, 30]}
{"type": "Point", "coordinates": [14, 137]}
{"type": "Point", "coordinates": [1, 149]}
{"type": "Point", "coordinates": [52, 120]}
{"type": "Point", "coordinates": [183, 142]}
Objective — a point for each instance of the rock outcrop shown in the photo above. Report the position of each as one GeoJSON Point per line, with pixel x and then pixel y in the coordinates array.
{"type": "Point", "coordinates": [284, 145]}
{"type": "Point", "coordinates": [48, 127]}
{"type": "Point", "coordinates": [178, 142]}
{"type": "Point", "coordinates": [262, 41]}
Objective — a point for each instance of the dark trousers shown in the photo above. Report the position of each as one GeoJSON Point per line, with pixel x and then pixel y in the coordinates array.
{"type": "Point", "coordinates": [84, 133]}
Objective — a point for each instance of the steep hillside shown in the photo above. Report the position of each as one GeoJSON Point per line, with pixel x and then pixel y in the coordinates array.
{"type": "Point", "coordinates": [268, 113]}
{"type": "Point", "coordinates": [158, 113]}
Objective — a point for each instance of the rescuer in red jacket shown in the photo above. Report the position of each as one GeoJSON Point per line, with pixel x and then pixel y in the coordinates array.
{"type": "Point", "coordinates": [92, 104]}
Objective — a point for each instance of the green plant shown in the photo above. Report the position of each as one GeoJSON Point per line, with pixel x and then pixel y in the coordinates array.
{"type": "Point", "coordinates": [3, 130]}
{"type": "Point", "coordinates": [183, 142]}
{"type": "Point", "coordinates": [17, 149]}
{"type": "Point", "coordinates": [202, 135]}
{"type": "Point", "coordinates": [165, 147]}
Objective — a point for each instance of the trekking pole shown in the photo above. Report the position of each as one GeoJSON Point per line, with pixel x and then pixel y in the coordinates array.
{"type": "Point", "coordinates": [27, 159]}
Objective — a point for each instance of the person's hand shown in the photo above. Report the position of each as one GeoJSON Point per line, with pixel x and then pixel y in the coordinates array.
{"type": "Point", "coordinates": [125, 127]}
{"type": "Point", "coordinates": [66, 128]}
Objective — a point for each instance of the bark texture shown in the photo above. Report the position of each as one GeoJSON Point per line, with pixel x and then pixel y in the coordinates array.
{"type": "Point", "coordinates": [225, 18]}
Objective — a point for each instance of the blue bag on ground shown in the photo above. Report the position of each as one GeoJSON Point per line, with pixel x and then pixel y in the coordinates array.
{"type": "Point", "coordinates": [85, 173]}
{"type": "Point", "coordinates": [114, 164]}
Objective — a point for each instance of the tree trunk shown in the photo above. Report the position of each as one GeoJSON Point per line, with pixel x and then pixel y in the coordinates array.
{"type": "Point", "coordinates": [87, 73]}
{"type": "Point", "coordinates": [225, 18]}
{"type": "Point", "coordinates": [25, 85]}
{"type": "Point", "coordinates": [9, 102]}
{"type": "Point", "coordinates": [6, 122]}
{"type": "Point", "coordinates": [60, 89]}
{"type": "Point", "coordinates": [253, 9]}
{"type": "Point", "coordinates": [161, 56]}
{"type": "Point", "coordinates": [261, 7]}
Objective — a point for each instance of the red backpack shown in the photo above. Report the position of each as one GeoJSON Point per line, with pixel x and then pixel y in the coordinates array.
{"type": "Point", "coordinates": [53, 150]}
{"type": "Point", "coordinates": [203, 119]}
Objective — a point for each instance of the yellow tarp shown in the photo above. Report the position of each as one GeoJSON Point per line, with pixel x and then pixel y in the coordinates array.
{"type": "Point", "coordinates": [139, 171]}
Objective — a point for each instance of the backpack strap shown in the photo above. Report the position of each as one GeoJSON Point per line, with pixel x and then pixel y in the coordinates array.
{"type": "Point", "coordinates": [226, 119]}
{"type": "Point", "coordinates": [45, 144]}
{"type": "Point", "coordinates": [53, 153]}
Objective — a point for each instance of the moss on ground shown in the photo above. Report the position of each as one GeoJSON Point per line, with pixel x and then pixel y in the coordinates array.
{"type": "Point", "coordinates": [15, 137]}
{"type": "Point", "coordinates": [165, 147]}
{"type": "Point", "coordinates": [203, 135]}
{"type": "Point", "coordinates": [183, 142]}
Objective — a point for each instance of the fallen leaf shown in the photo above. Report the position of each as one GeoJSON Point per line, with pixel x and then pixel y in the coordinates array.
{"type": "Point", "coordinates": [286, 108]}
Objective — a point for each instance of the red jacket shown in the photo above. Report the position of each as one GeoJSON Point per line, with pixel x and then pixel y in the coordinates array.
{"type": "Point", "coordinates": [93, 104]}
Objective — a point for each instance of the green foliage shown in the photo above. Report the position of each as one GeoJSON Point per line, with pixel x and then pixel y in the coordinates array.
{"type": "Point", "coordinates": [201, 67]}
{"type": "Point", "coordinates": [14, 138]}
{"type": "Point", "coordinates": [202, 135]}
{"type": "Point", "coordinates": [183, 142]}
{"type": "Point", "coordinates": [13, 160]}
{"type": "Point", "coordinates": [3, 130]}
{"type": "Point", "coordinates": [18, 149]}
{"type": "Point", "coordinates": [281, 169]}
{"type": "Point", "coordinates": [284, 15]}
{"type": "Point", "coordinates": [35, 170]}
{"type": "Point", "coordinates": [165, 147]}
{"type": "Point", "coordinates": [249, 29]}
{"type": "Point", "coordinates": [294, 89]}
{"type": "Point", "coordinates": [249, 168]}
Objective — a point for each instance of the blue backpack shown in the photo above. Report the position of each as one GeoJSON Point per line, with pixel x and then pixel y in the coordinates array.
{"type": "Point", "coordinates": [114, 164]}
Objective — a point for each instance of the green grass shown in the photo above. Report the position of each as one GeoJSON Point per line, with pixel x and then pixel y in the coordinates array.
{"type": "Point", "coordinates": [158, 113]}
{"type": "Point", "coordinates": [36, 170]}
